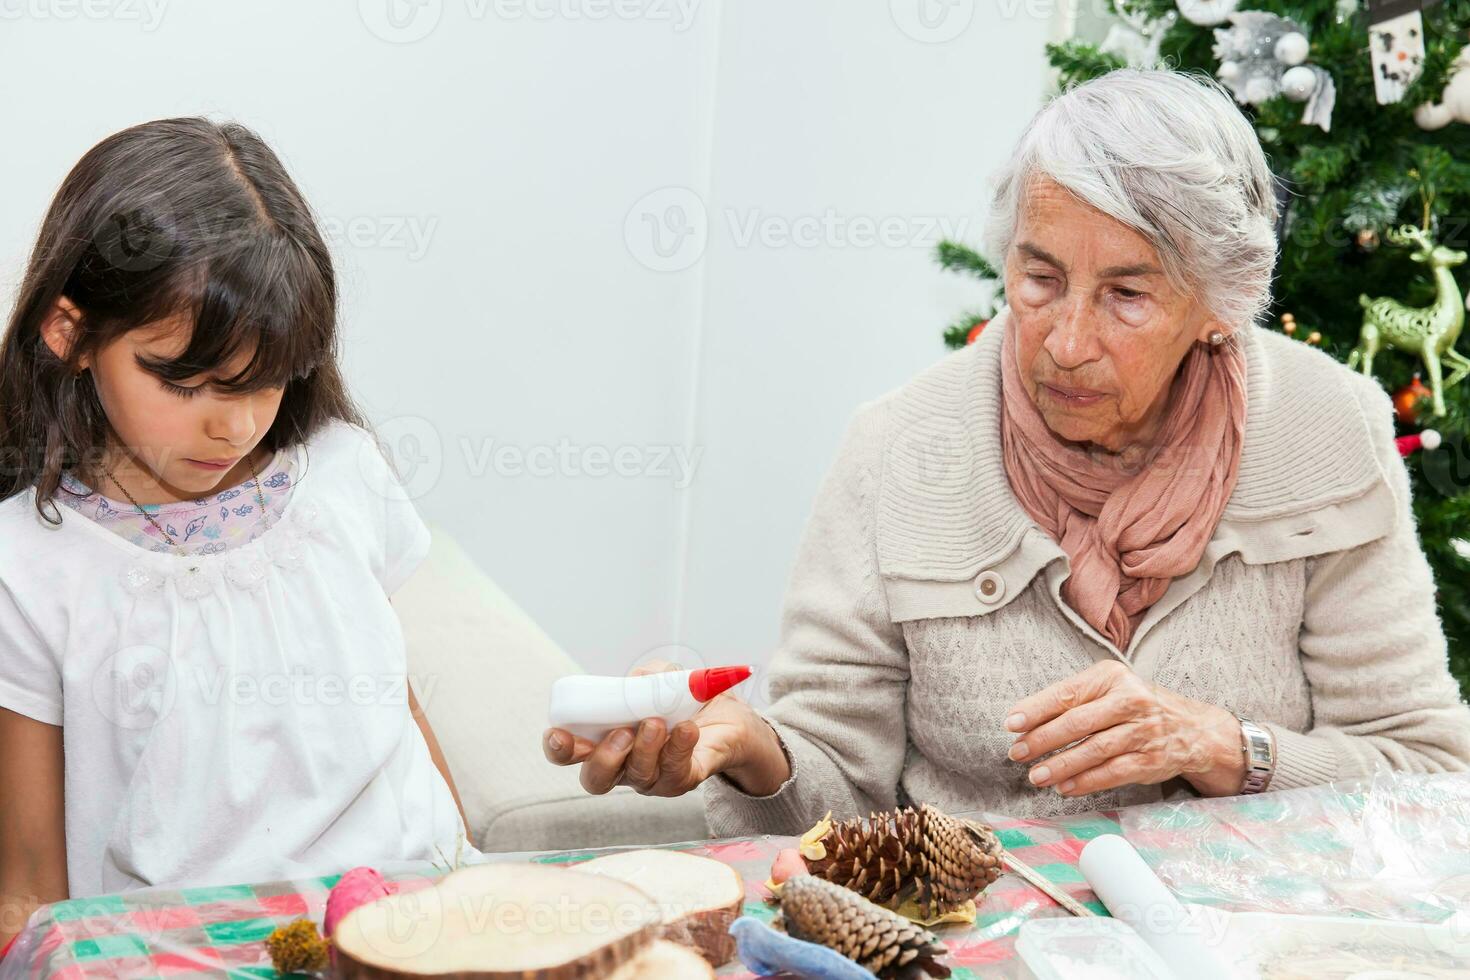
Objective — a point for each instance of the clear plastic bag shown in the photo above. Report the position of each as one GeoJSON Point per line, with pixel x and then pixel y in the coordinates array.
{"type": "Point", "coordinates": [1391, 846]}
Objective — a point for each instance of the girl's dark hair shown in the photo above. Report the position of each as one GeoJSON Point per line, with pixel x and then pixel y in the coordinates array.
{"type": "Point", "coordinates": [170, 217]}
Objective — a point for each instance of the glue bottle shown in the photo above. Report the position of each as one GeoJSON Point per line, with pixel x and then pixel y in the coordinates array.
{"type": "Point", "coordinates": [591, 707]}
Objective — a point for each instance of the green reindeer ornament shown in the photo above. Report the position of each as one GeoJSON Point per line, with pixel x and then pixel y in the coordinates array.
{"type": "Point", "coordinates": [1428, 331]}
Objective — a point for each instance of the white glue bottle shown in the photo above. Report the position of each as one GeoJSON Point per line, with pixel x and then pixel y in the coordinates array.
{"type": "Point", "coordinates": [591, 707]}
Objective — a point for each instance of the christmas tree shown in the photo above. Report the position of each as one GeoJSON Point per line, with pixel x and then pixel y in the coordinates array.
{"type": "Point", "coordinates": [1349, 100]}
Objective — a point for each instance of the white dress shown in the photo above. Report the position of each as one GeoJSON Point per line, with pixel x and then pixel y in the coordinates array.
{"type": "Point", "coordinates": [234, 717]}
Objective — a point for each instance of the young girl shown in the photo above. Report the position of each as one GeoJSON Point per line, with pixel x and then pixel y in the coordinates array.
{"type": "Point", "coordinates": [198, 540]}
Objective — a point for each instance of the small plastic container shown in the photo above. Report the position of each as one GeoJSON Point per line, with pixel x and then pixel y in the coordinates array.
{"type": "Point", "coordinates": [591, 707]}
{"type": "Point", "coordinates": [1087, 948]}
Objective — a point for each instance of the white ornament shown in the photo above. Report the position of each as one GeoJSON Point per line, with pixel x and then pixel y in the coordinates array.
{"type": "Point", "coordinates": [1454, 104]}
{"type": "Point", "coordinates": [1299, 83]}
{"type": "Point", "coordinates": [1292, 48]}
{"type": "Point", "coordinates": [1457, 93]}
{"type": "Point", "coordinates": [1207, 13]}
{"type": "Point", "coordinates": [1434, 115]}
{"type": "Point", "coordinates": [1228, 71]}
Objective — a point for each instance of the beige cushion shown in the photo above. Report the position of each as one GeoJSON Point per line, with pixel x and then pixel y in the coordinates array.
{"type": "Point", "coordinates": [483, 673]}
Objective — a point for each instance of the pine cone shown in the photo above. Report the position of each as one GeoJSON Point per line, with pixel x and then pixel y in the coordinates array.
{"type": "Point", "coordinates": [884, 942]}
{"type": "Point", "coordinates": [961, 860]}
{"type": "Point", "coordinates": [943, 862]}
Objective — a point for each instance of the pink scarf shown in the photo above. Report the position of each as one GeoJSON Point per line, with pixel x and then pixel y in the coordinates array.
{"type": "Point", "coordinates": [1129, 532]}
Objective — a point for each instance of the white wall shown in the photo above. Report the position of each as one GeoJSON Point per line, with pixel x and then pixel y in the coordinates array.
{"type": "Point", "coordinates": [573, 225]}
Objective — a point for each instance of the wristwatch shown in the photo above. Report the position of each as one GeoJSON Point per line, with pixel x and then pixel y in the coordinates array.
{"type": "Point", "coordinates": [1260, 756]}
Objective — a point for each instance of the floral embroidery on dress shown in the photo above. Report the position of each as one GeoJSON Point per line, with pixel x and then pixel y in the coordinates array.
{"type": "Point", "coordinates": [244, 568]}
{"type": "Point", "coordinates": [206, 525]}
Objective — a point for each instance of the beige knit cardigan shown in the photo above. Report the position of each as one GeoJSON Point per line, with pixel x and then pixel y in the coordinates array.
{"type": "Point", "coordinates": [924, 603]}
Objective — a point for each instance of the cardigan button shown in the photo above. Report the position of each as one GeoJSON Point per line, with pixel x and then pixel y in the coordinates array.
{"type": "Point", "coordinates": [990, 588]}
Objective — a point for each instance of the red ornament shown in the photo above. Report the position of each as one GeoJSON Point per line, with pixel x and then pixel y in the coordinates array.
{"type": "Point", "coordinates": [1406, 401]}
{"type": "Point", "coordinates": [975, 331]}
{"type": "Point", "coordinates": [1428, 439]}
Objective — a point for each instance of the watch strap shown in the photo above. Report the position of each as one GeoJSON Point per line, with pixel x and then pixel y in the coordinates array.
{"type": "Point", "coordinates": [1260, 757]}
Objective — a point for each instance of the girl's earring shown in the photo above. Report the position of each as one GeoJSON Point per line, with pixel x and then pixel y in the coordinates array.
{"type": "Point", "coordinates": [1216, 338]}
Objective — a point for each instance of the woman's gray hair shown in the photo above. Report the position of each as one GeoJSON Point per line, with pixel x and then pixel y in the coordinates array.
{"type": "Point", "coordinates": [1169, 155]}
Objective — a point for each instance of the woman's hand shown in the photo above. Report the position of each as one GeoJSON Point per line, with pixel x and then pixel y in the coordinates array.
{"type": "Point", "coordinates": [1126, 732]}
{"type": "Point", "coordinates": [726, 736]}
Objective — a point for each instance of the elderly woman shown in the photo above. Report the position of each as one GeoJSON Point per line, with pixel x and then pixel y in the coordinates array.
{"type": "Point", "coordinates": [1124, 547]}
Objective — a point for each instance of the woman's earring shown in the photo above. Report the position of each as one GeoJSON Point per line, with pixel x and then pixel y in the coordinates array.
{"type": "Point", "coordinates": [1216, 338]}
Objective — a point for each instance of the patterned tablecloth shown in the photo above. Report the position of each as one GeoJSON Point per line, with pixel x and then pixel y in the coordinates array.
{"type": "Point", "coordinates": [221, 931]}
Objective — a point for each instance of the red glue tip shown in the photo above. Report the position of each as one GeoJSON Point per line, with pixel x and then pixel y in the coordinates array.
{"type": "Point", "coordinates": [705, 684]}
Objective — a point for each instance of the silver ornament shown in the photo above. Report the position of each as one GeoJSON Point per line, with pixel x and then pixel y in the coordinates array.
{"type": "Point", "coordinates": [1260, 89]}
{"type": "Point", "coordinates": [1137, 38]}
{"type": "Point", "coordinates": [1249, 45]}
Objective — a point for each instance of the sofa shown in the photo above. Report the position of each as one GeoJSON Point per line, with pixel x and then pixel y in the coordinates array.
{"type": "Point", "coordinates": [483, 673]}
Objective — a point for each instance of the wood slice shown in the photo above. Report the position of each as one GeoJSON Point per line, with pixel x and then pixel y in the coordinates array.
{"type": "Point", "coordinates": [666, 961]}
{"type": "Point", "coordinates": [698, 897]}
{"type": "Point", "coordinates": [500, 922]}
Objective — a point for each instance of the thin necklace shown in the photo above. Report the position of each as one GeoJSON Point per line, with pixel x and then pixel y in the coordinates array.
{"type": "Point", "coordinates": [259, 496]}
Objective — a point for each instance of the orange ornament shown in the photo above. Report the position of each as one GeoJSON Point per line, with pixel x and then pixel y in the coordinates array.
{"type": "Point", "coordinates": [975, 331]}
{"type": "Point", "coordinates": [1407, 399]}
